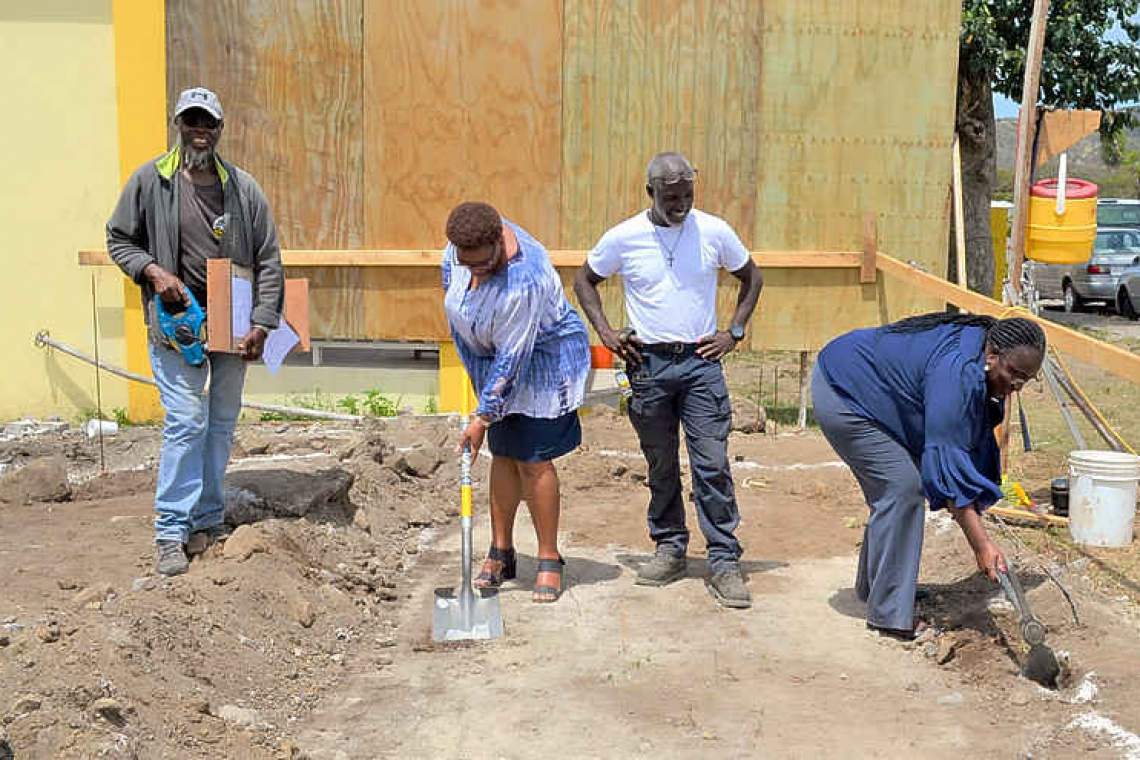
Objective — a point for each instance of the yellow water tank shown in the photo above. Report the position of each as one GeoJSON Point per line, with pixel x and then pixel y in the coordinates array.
{"type": "Point", "coordinates": [1066, 237]}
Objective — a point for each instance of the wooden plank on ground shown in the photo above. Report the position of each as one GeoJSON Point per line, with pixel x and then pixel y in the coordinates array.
{"type": "Point", "coordinates": [1012, 513]}
{"type": "Point", "coordinates": [1098, 353]}
{"type": "Point", "coordinates": [289, 78]}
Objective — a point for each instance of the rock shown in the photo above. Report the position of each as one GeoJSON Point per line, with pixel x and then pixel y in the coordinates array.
{"type": "Point", "coordinates": [239, 716]}
{"type": "Point", "coordinates": [48, 634]}
{"type": "Point", "coordinates": [250, 444]}
{"type": "Point", "coordinates": [109, 710]}
{"type": "Point", "coordinates": [946, 646]}
{"type": "Point", "coordinates": [1020, 698]}
{"type": "Point", "coordinates": [40, 480]}
{"type": "Point", "coordinates": [930, 650]}
{"type": "Point", "coordinates": [421, 518]}
{"type": "Point", "coordinates": [303, 612]}
{"type": "Point", "coordinates": [142, 584]}
{"type": "Point", "coordinates": [619, 470]}
{"type": "Point", "coordinates": [66, 584]}
{"type": "Point", "coordinates": [26, 704]}
{"type": "Point", "coordinates": [6, 752]}
{"type": "Point", "coordinates": [255, 495]}
{"type": "Point", "coordinates": [747, 417]}
{"type": "Point", "coordinates": [196, 707]}
{"type": "Point", "coordinates": [4, 641]}
{"type": "Point", "coordinates": [93, 594]}
{"type": "Point", "coordinates": [419, 463]}
{"type": "Point", "coordinates": [245, 541]}
{"type": "Point", "coordinates": [913, 687]}
{"type": "Point", "coordinates": [953, 699]}
{"type": "Point", "coordinates": [926, 635]}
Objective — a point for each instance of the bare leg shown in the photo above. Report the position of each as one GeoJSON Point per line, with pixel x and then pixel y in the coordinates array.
{"type": "Point", "coordinates": [540, 483]}
{"type": "Point", "coordinates": [506, 489]}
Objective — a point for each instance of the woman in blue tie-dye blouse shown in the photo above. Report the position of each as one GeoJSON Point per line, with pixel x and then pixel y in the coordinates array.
{"type": "Point", "coordinates": [527, 353]}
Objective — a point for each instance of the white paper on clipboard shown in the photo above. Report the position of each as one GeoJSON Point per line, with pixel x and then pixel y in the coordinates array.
{"type": "Point", "coordinates": [278, 345]}
{"type": "Point", "coordinates": [241, 296]}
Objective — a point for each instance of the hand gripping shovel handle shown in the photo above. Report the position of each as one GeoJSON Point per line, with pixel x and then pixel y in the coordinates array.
{"type": "Point", "coordinates": [1032, 630]}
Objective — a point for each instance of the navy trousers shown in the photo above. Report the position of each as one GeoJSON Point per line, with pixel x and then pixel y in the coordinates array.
{"type": "Point", "coordinates": [673, 388]}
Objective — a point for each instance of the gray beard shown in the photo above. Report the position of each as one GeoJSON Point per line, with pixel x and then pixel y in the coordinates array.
{"type": "Point", "coordinates": [197, 160]}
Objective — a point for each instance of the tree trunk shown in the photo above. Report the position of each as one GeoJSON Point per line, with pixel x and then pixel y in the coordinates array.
{"type": "Point", "coordinates": [977, 134]}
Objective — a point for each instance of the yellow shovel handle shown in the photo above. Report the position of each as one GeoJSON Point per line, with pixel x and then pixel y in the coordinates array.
{"type": "Point", "coordinates": [465, 475]}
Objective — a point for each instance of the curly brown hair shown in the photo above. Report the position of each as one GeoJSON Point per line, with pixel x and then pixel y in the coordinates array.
{"type": "Point", "coordinates": [474, 224]}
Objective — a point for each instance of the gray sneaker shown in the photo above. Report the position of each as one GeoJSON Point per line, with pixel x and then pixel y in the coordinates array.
{"type": "Point", "coordinates": [171, 558]}
{"type": "Point", "coordinates": [664, 568]}
{"type": "Point", "coordinates": [727, 587]}
{"type": "Point", "coordinates": [202, 540]}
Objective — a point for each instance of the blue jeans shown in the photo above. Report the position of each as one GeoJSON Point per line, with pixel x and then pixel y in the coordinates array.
{"type": "Point", "coordinates": [196, 440]}
{"type": "Point", "coordinates": [673, 389]}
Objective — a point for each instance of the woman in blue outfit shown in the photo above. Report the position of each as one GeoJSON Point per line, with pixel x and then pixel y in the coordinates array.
{"type": "Point", "coordinates": [527, 353]}
{"type": "Point", "coordinates": [911, 407]}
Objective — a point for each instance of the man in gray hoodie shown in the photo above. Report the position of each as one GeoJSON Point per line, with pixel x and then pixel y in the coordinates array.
{"type": "Point", "coordinates": [176, 212]}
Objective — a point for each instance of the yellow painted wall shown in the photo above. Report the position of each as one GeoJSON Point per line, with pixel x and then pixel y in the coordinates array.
{"type": "Point", "coordinates": [60, 134]}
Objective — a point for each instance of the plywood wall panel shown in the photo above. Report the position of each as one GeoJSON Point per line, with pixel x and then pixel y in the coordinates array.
{"type": "Point", "coordinates": [463, 102]}
{"type": "Point", "coordinates": [643, 76]}
{"type": "Point", "coordinates": [289, 78]}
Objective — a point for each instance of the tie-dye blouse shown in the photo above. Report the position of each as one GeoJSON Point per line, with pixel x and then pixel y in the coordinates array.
{"type": "Point", "coordinates": [523, 344]}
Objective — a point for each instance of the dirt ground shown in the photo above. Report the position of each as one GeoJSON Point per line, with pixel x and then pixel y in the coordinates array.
{"type": "Point", "coordinates": [308, 633]}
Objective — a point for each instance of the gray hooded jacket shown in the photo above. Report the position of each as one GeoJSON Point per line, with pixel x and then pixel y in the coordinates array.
{"type": "Point", "coordinates": [143, 230]}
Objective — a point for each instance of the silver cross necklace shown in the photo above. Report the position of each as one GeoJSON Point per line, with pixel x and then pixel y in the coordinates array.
{"type": "Point", "coordinates": [665, 249]}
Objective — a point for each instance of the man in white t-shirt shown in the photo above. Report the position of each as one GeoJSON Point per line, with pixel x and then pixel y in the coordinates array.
{"type": "Point", "coordinates": [669, 257]}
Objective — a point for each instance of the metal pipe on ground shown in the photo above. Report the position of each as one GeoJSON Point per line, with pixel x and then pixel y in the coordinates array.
{"type": "Point", "coordinates": [43, 338]}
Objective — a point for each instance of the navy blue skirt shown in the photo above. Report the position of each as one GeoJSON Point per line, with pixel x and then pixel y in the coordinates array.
{"type": "Point", "coordinates": [533, 439]}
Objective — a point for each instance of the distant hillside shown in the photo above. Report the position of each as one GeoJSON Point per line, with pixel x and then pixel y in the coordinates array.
{"type": "Point", "coordinates": [1085, 162]}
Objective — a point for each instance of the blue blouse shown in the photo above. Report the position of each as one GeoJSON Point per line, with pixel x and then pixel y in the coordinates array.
{"type": "Point", "coordinates": [928, 391]}
{"type": "Point", "coordinates": [523, 344]}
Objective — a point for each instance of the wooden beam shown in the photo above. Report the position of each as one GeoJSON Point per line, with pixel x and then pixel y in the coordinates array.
{"type": "Point", "coordinates": [1026, 128]}
{"type": "Point", "coordinates": [1078, 345]}
{"type": "Point", "coordinates": [959, 216]}
{"type": "Point", "coordinates": [867, 266]}
{"type": "Point", "coordinates": [1061, 130]}
{"type": "Point", "coordinates": [431, 258]}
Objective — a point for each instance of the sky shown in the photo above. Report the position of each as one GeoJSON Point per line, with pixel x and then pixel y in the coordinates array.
{"type": "Point", "coordinates": [1004, 108]}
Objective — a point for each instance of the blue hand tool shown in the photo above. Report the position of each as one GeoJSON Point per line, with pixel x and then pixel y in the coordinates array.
{"type": "Point", "coordinates": [185, 330]}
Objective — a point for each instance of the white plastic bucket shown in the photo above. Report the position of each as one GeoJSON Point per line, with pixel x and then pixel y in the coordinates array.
{"type": "Point", "coordinates": [1102, 497]}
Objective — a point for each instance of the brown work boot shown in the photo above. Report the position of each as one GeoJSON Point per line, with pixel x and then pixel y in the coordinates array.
{"type": "Point", "coordinates": [663, 569]}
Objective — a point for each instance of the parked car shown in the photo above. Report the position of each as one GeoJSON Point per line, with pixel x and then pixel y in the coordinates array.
{"type": "Point", "coordinates": [1118, 212]}
{"type": "Point", "coordinates": [1098, 279]}
{"type": "Point", "coordinates": [1128, 295]}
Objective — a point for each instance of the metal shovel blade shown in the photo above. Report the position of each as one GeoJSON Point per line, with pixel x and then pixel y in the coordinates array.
{"type": "Point", "coordinates": [1041, 663]}
{"type": "Point", "coordinates": [466, 615]}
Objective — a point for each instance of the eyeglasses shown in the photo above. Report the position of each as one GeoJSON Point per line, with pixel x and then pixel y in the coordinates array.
{"type": "Point", "coordinates": [672, 178]}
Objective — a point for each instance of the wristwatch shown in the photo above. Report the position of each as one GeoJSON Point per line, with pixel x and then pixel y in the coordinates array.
{"type": "Point", "coordinates": [737, 332]}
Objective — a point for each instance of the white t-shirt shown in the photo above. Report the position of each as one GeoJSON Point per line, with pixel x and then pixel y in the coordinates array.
{"type": "Point", "coordinates": [669, 303]}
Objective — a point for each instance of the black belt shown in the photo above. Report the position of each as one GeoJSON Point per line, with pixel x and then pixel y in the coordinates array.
{"type": "Point", "coordinates": [670, 349]}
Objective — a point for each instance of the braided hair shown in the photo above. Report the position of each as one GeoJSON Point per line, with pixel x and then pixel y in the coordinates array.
{"type": "Point", "coordinates": [1002, 334]}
